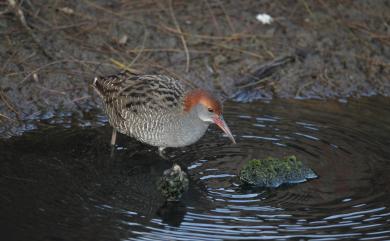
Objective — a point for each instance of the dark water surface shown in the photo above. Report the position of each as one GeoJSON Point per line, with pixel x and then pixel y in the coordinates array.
{"type": "Point", "coordinates": [60, 181]}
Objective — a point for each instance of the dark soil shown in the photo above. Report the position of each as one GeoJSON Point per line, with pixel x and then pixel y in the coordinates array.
{"type": "Point", "coordinates": [47, 60]}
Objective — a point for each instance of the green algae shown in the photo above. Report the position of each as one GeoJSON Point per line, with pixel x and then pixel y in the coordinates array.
{"type": "Point", "coordinates": [273, 172]}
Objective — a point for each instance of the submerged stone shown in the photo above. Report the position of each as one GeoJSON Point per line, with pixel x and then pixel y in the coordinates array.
{"type": "Point", "coordinates": [173, 183]}
{"type": "Point", "coordinates": [273, 172]}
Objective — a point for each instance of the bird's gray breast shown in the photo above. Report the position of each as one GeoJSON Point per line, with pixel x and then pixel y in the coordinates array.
{"type": "Point", "coordinates": [184, 131]}
{"type": "Point", "coordinates": [166, 129]}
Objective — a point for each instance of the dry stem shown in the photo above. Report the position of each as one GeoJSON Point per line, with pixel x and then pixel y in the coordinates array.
{"type": "Point", "coordinates": [181, 36]}
{"type": "Point", "coordinates": [18, 12]}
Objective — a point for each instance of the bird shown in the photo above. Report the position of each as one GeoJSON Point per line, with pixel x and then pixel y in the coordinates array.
{"type": "Point", "coordinates": [158, 110]}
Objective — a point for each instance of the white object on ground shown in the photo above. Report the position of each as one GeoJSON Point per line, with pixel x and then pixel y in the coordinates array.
{"type": "Point", "coordinates": [264, 18]}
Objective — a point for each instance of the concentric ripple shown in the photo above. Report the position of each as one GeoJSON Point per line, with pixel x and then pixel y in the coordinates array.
{"type": "Point", "coordinates": [114, 196]}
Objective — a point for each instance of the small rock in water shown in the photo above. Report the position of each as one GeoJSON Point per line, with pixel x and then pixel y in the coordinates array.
{"type": "Point", "coordinates": [272, 172]}
{"type": "Point", "coordinates": [173, 183]}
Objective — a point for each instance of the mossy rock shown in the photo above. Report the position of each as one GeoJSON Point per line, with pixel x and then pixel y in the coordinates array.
{"type": "Point", "coordinates": [273, 172]}
{"type": "Point", "coordinates": [173, 183]}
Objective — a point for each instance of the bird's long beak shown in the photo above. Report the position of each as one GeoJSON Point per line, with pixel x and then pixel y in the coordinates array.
{"type": "Point", "coordinates": [219, 121]}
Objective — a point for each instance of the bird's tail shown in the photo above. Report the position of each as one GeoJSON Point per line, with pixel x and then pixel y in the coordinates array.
{"type": "Point", "coordinates": [98, 86]}
{"type": "Point", "coordinates": [106, 86]}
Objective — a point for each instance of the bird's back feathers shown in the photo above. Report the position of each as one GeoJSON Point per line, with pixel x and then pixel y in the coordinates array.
{"type": "Point", "coordinates": [133, 93]}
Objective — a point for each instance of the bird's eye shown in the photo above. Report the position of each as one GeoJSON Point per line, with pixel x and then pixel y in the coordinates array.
{"type": "Point", "coordinates": [210, 109]}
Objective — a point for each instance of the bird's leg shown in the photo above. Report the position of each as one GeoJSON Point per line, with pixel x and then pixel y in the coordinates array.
{"type": "Point", "coordinates": [113, 140]}
{"type": "Point", "coordinates": [113, 137]}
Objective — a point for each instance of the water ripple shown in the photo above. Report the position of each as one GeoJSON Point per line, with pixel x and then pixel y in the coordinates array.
{"type": "Point", "coordinates": [65, 178]}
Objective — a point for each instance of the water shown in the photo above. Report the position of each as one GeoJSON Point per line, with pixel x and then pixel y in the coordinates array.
{"type": "Point", "coordinates": [61, 182]}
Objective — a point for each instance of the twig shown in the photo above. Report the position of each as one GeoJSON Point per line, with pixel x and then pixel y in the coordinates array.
{"type": "Point", "coordinates": [235, 36]}
{"type": "Point", "coordinates": [52, 90]}
{"type": "Point", "coordinates": [298, 93]}
{"type": "Point", "coordinates": [215, 22]}
{"type": "Point", "coordinates": [53, 63]}
{"type": "Point", "coordinates": [307, 8]}
{"type": "Point", "coordinates": [259, 81]}
{"type": "Point", "coordinates": [136, 50]}
{"type": "Point", "coordinates": [361, 27]}
{"type": "Point", "coordinates": [181, 36]}
{"type": "Point", "coordinates": [140, 52]}
{"type": "Point", "coordinates": [8, 103]}
{"type": "Point", "coordinates": [30, 73]}
{"type": "Point", "coordinates": [81, 98]}
{"type": "Point", "coordinates": [18, 12]}
{"type": "Point", "coordinates": [238, 50]}
{"type": "Point", "coordinates": [228, 20]}
{"type": "Point", "coordinates": [7, 117]}
{"type": "Point", "coordinates": [123, 66]}
{"type": "Point", "coordinates": [156, 65]}
{"type": "Point", "coordinates": [40, 68]}
{"type": "Point", "coordinates": [171, 72]}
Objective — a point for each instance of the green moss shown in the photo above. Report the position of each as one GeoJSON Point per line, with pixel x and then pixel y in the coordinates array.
{"type": "Point", "coordinates": [272, 172]}
{"type": "Point", "coordinates": [173, 183]}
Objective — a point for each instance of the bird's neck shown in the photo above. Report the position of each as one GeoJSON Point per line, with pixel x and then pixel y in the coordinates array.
{"type": "Point", "coordinates": [195, 128]}
{"type": "Point", "coordinates": [190, 118]}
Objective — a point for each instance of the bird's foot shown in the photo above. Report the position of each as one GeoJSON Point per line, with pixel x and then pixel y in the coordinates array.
{"type": "Point", "coordinates": [161, 152]}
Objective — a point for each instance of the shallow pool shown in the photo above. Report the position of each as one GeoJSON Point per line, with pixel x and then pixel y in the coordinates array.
{"type": "Point", "coordinates": [61, 180]}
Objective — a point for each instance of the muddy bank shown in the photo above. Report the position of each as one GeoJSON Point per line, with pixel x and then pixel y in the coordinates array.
{"type": "Point", "coordinates": [341, 49]}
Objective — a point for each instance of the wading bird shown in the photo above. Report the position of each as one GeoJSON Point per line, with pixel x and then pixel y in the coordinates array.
{"type": "Point", "coordinates": [158, 110]}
